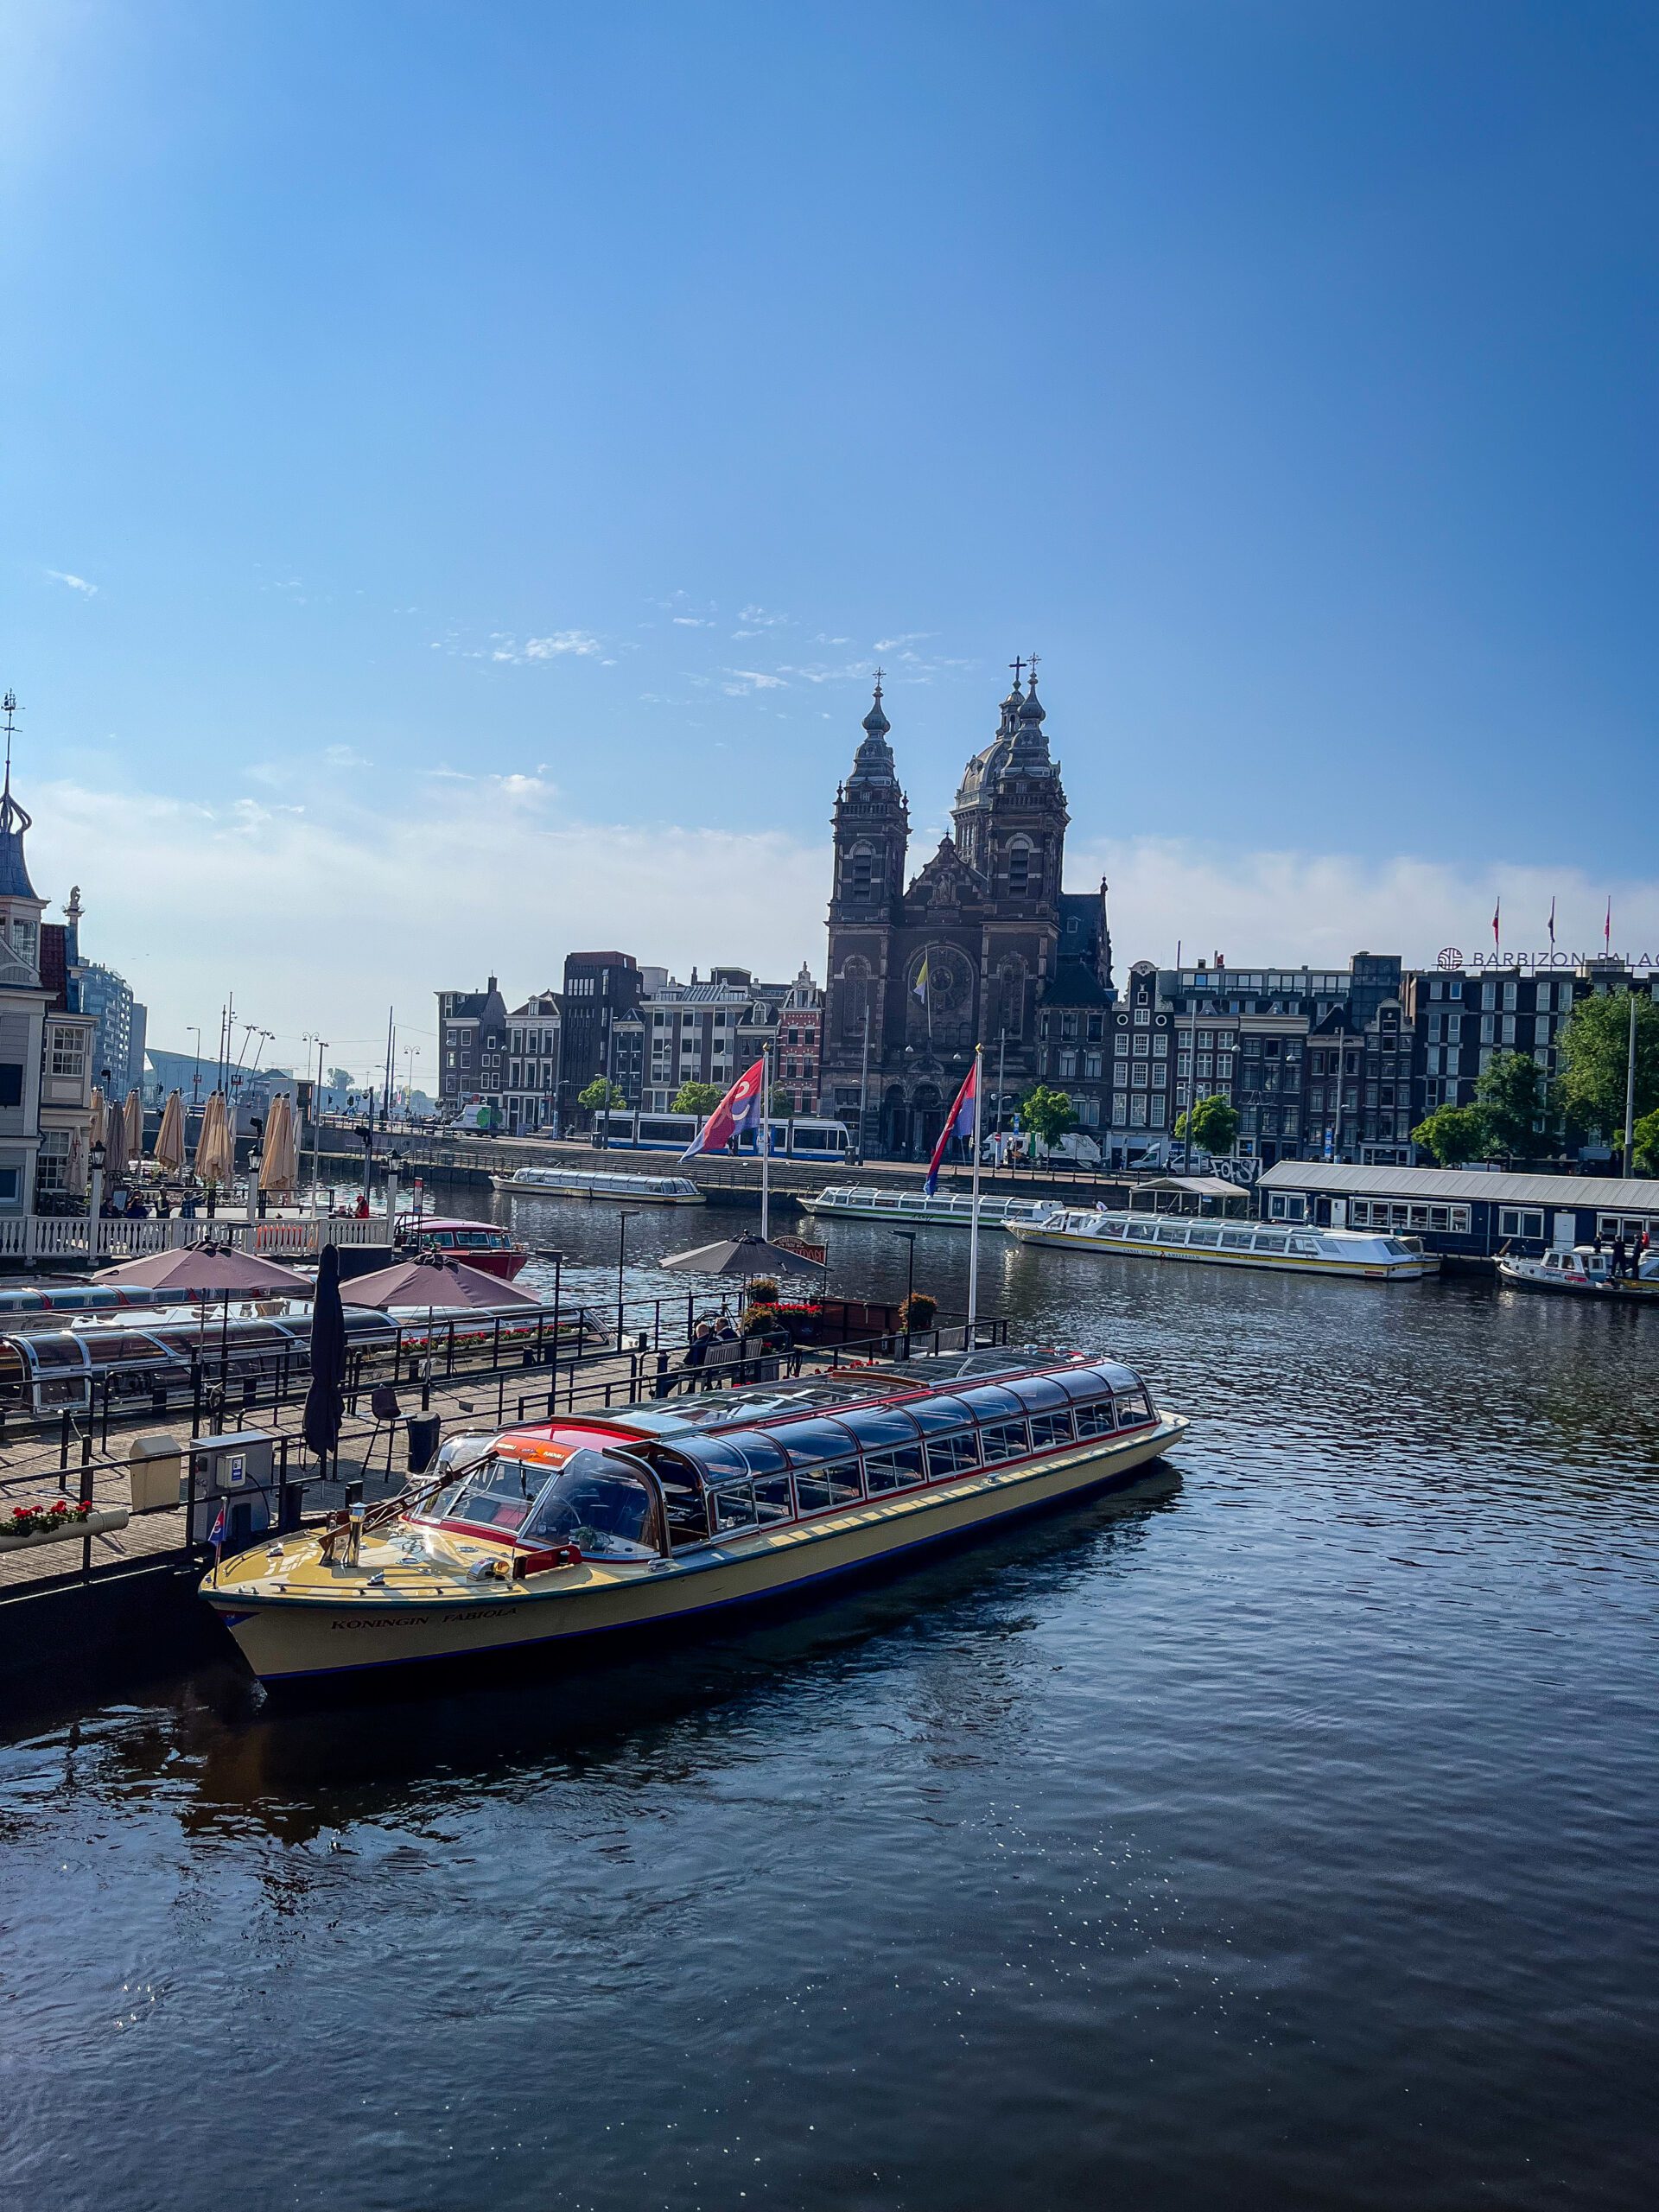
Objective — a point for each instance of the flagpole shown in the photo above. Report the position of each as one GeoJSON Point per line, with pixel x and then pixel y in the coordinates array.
{"type": "Point", "coordinates": [766, 1141]}
{"type": "Point", "coordinates": [973, 1218]}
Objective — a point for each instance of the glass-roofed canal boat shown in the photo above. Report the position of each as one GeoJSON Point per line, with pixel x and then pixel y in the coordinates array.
{"type": "Point", "coordinates": [648, 1515]}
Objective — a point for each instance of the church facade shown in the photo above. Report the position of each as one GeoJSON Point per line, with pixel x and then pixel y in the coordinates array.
{"type": "Point", "coordinates": [970, 950]}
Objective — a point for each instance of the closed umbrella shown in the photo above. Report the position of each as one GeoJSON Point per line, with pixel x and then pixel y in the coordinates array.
{"type": "Point", "coordinates": [114, 1141]}
{"type": "Point", "coordinates": [170, 1138]}
{"type": "Point", "coordinates": [134, 1117]}
{"type": "Point", "coordinates": [99, 1132]}
{"type": "Point", "coordinates": [278, 1167]}
{"type": "Point", "coordinates": [76, 1171]}
{"type": "Point", "coordinates": [324, 1401]}
{"type": "Point", "coordinates": [214, 1158]}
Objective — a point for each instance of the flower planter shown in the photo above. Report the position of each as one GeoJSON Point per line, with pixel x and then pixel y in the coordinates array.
{"type": "Point", "coordinates": [113, 1516]}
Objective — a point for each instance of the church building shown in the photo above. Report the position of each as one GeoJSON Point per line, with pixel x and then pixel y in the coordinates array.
{"type": "Point", "coordinates": [971, 951]}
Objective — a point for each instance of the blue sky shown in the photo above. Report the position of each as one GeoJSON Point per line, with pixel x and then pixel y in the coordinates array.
{"type": "Point", "coordinates": [437, 438]}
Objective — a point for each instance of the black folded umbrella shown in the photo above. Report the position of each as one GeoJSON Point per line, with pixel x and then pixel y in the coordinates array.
{"type": "Point", "coordinates": [324, 1401]}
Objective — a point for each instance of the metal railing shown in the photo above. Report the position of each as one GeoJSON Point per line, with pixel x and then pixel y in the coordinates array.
{"type": "Point", "coordinates": [113, 1237]}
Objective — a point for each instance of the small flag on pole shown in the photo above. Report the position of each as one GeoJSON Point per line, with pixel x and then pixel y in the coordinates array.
{"type": "Point", "coordinates": [737, 1110]}
{"type": "Point", "coordinates": [919, 988]}
{"type": "Point", "coordinates": [962, 1121]}
{"type": "Point", "coordinates": [1552, 925]}
{"type": "Point", "coordinates": [216, 1533]}
{"type": "Point", "coordinates": [1607, 929]}
{"type": "Point", "coordinates": [1496, 911]}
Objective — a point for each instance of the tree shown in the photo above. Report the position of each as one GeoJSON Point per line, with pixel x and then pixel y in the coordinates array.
{"type": "Point", "coordinates": [1455, 1135]}
{"type": "Point", "coordinates": [1595, 1043]}
{"type": "Point", "coordinates": [341, 1079]}
{"type": "Point", "coordinates": [1214, 1126]}
{"type": "Point", "coordinates": [1047, 1115]}
{"type": "Point", "coordinates": [603, 1097]}
{"type": "Point", "coordinates": [783, 1103]}
{"type": "Point", "coordinates": [1647, 1143]}
{"type": "Point", "coordinates": [1512, 1097]}
{"type": "Point", "coordinates": [693, 1097]}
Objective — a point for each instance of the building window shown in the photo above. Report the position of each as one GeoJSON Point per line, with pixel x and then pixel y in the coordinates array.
{"type": "Point", "coordinates": [1120, 1107]}
{"type": "Point", "coordinates": [11, 1082]}
{"type": "Point", "coordinates": [68, 1052]}
{"type": "Point", "coordinates": [1520, 1221]}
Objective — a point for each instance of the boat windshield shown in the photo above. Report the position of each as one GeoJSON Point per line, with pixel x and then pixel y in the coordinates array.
{"type": "Point", "coordinates": [495, 1494]}
{"type": "Point", "coordinates": [595, 1502]}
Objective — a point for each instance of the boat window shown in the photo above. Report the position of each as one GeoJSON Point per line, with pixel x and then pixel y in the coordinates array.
{"type": "Point", "coordinates": [1097, 1228]}
{"type": "Point", "coordinates": [594, 1502]}
{"type": "Point", "coordinates": [1143, 1232]}
{"type": "Point", "coordinates": [819, 1489]}
{"type": "Point", "coordinates": [890, 1470]}
{"type": "Point", "coordinates": [1235, 1240]}
{"type": "Point", "coordinates": [932, 1414]}
{"type": "Point", "coordinates": [1114, 1376]}
{"type": "Point", "coordinates": [1097, 1420]}
{"type": "Point", "coordinates": [732, 1507]}
{"type": "Point", "coordinates": [1198, 1234]}
{"type": "Point", "coordinates": [56, 1351]}
{"type": "Point", "coordinates": [1396, 1251]}
{"type": "Point", "coordinates": [102, 1350]}
{"type": "Point", "coordinates": [762, 1454]}
{"type": "Point", "coordinates": [1171, 1232]}
{"type": "Point", "coordinates": [1305, 1247]}
{"type": "Point", "coordinates": [1132, 1408]}
{"type": "Point", "coordinates": [1269, 1243]}
{"type": "Point", "coordinates": [990, 1402]}
{"type": "Point", "coordinates": [878, 1427]}
{"type": "Point", "coordinates": [1049, 1430]}
{"type": "Point", "coordinates": [1038, 1393]}
{"type": "Point", "coordinates": [773, 1500]}
{"type": "Point", "coordinates": [1079, 1383]}
{"type": "Point", "coordinates": [495, 1494]}
{"type": "Point", "coordinates": [1005, 1442]}
{"type": "Point", "coordinates": [810, 1442]}
{"type": "Point", "coordinates": [951, 1455]}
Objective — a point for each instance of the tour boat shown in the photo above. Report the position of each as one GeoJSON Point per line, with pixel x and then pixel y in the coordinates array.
{"type": "Point", "coordinates": [858, 1202]}
{"type": "Point", "coordinates": [589, 1183]}
{"type": "Point", "coordinates": [476, 1243]}
{"type": "Point", "coordinates": [1235, 1244]}
{"type": "Point", "coordinates": [650, 1516]}
{"type": "Point", "coordinates": [1582, 1273]}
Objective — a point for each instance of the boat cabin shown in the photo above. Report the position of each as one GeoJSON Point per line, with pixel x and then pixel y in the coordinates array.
{"type": "Point", "coordinates": [658, 1480]}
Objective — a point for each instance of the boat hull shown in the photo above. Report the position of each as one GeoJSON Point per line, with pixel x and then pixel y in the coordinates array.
{"type": "Point", "coordinates": [299, 1640]}
{"type": "Point", "coordinates": [617, 1197]}
{"type": "Point", "coordinates": [1098, 1248]}
{"type": "Point", "coordinates": [1624, 1291]}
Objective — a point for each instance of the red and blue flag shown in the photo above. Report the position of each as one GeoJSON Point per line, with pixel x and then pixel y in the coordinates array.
{"type": "Point", "coordinates": [216, 1533]}
{"type": "Point", "coordinates": [739, 1110]}
{"type": "Point", "coordinates": [962, 1121]}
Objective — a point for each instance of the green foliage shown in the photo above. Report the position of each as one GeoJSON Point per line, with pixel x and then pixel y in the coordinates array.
{"type": "Point", "coordinates": [1646, 1159]}
{"type": "Point", "coordinates": [1214, 1126]}
{"type": "Point", "coordinates": [1453, 1134]}
{"type": "Point", "coordinates": [1046, 1114]}
{"type": "Point", "coordinates": [601, 1095]}
{"type": "Point", "coordinates": [696, 1099]}
{"type": "Point", "coordinates": [783, 1103]}
{"type": "Point", "coordinates": [1594, 1043]}
{"type": "Point", "coordinates": [918, 1311]}
{"type": "Point", "coordinates": [1512, 1095]}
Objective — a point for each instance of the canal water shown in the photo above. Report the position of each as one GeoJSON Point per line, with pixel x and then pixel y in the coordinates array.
{"type": "Point", "coordinates": [1285, 1833]}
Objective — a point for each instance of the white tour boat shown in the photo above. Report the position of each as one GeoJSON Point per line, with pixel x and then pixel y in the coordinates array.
{"type": "Point", "coordinates": [1236, 1244]}
{"type": "Point", "coordinates": [646, 1515]}
{"type": "Point", "coordinates": [594, 1183]}
{"type": "Point", "coordinates": [861, 1202]}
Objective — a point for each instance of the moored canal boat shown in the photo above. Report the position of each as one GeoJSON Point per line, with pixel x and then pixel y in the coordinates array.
{"type": "Point", "coordinates": [1583, 1272]}
{"type": "Point", "coordinates": [653, 1515]}
{"type": "Point", "coordinates": [1377, 1257]}
{"type": "Point", "coordinates": [951, 1210]}
{"type": "Point", "coordinates": [478, 1244]}
{"type": "Point", "coordinates": [593, 1183]}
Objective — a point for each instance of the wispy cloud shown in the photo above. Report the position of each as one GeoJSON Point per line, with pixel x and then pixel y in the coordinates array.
{"type": "Point", "coordinates": [752, 679]}
{"type": "Point", "coordinates": [905, 639]}
{"type": "Point", "coordinates": [691, 621]}
{"type": "Point", "coordinates": [75, 583]}
{"type": "Point", "coordinates": [346, 756]}
{"type": "Point", "coordinates": [757, 620]}
{"type": "Point", "coordinates": [581, 642]}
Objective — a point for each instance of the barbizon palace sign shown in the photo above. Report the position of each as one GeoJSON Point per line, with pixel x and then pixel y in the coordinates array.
{"type": "Point", "coordinates": [1451, 958]}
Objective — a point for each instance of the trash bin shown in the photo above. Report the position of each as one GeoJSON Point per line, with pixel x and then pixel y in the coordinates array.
{"type": "Point", "coordinates": [423, 1431]}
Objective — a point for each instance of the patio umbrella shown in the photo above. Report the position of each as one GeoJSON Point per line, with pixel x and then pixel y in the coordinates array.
{"type": "Point", "coordinates": [210, 1268]}
{"type": "Point", "coordinates": [134, 1117]}
{"type": "Point", "coordinates": [324, 1401]}
{"type": "Point", "coordinates": [99, 1132]}
{"type": "Point", "coordinates": [114, 1141]}
{"type": "Point", "coordinates": [170, 1138]}
{"type": "Point", "coordinates": [279, 1168]}
{"type": "Point", "coordinates": [744, 1257]}
{"type": "Point", "coordinates": [76, 1171]}
{"type": "Point", "coordinates": [433, 1286]}
{"type": "Point", "coordinates": [214, 1156]}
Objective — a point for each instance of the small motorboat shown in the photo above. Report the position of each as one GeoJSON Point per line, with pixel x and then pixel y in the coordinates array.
{"type": "Point", "coordinates": [1584, 1272]}
{"type": "Point", "coordinates": [476, 1243]}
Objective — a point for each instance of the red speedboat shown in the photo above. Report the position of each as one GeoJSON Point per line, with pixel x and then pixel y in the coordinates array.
{"type": "Point", "coordinates": [475, 1243]}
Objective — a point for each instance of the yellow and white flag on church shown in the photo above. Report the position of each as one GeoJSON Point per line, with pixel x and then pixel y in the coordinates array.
{"type": "Point", "coordinates": [919, 988]}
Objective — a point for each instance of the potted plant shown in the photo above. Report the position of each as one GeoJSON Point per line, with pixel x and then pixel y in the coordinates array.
{"type": "Point", "coordinates": [918, 1313]}
{"type": "Point", "coordinates": [22, 1527]}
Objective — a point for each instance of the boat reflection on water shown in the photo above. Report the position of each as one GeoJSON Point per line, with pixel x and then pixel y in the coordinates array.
{"type": "Point", "coordinates": [668, 1709]}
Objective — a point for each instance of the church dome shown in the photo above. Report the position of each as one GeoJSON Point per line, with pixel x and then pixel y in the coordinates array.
{"type": "Point", "coordinates": [873, 763]}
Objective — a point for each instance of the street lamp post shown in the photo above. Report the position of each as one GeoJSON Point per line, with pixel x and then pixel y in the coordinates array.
{"type": "Point", "coordinates": [95, 1158]}
{"type": "Point", "coordinates": [623, 1219]}
{"type": "Point", "coordinates": [907, 1237]}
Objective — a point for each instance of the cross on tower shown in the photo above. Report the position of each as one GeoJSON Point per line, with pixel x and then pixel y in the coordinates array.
{"type": "Point", "coordinates": [1017, 664]}
{"type": "Point", "coordinates": [1031, 665]}
{"type": "Point", "coordinates": [880, 673]}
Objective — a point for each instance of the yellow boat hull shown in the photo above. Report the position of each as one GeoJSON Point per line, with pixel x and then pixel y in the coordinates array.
{"type": "Point", "coordinates": [311, 1619]}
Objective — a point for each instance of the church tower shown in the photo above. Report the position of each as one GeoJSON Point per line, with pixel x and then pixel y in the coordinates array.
{"type": "Point", "coordinates": [872, 833]}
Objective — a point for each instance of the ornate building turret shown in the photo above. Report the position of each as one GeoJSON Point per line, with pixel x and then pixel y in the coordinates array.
{"type": "Point", "coordinates": [872, 828]}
